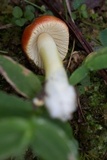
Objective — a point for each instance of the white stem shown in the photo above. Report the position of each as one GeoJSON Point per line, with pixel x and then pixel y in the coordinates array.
{"type": "Point", "coordinates": [49, 54]}
{"type": "Point", "coordinates": [60, 97]}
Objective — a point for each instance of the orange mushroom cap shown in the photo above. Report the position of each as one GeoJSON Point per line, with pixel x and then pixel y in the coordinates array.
{"type": "Point", "coordinates": [51, 25]}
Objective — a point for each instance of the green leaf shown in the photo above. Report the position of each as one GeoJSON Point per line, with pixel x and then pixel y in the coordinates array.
{"type": "Point", "coordinates": [15, 136]}
{"type": "Point", "coordinates": [86, 81]}
{"type": "Point", "coordinates": [12, 106]}
{"type": "Point", "coordinates": [41, 78]}
{"type": "Point", "coordinates": [20, 78]}
{"type": "Point", "coordinates": [97, 60]}
{"type": "Point", "coordinates": [83, 10]}
{"type": "Point", "coordinates": [30, 8]}
{"type": "Point", "coordinates": [69, 133]}
{"type": "Point", "coordinates": [77, 3]}
{"type": "Point", "coordinates": [29, 15]}
{"type": "Point", "coordinates": [103, 37]}
{"type": "Point", "coordinates": [52, 142]}
{"type": "Point", "coordinates": [78, 75]}
{"type": "Point", "coordinates": [48, 12]}
{"type": "Point", "coordinates": [17, 12]}
{"type": "Point", "coordinates": [20, 22]}
{"type": "Point", "coordinates": [21, 156]}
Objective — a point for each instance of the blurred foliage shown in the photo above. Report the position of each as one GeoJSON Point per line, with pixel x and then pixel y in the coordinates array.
{"type": "Point", "coordinates": [91, 63]}
{"type": "Point", "coordinates": [22, 126]}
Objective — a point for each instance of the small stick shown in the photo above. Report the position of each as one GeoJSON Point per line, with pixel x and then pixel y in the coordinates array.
{"type": "Point", "coordinates": [6, 26]}
{"type": "Point", "coordinates": [5, 52]}
{"type": "Point", "coordinates": [40, 8]}
{"type": "Point", "coordinates": [69, 62]}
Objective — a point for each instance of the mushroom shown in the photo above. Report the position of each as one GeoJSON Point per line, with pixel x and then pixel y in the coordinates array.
{"type": "Point", "coordinates": [45, 42]}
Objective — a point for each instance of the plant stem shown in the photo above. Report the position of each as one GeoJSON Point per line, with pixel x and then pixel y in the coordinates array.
{"type": "Point", "coordinates": [40, 8]}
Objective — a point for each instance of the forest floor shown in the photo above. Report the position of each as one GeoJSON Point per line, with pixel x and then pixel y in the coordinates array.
{"type": "Point", "coordinates": [90, 121]}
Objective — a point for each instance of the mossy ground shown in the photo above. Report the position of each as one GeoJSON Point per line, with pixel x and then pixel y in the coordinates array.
{"type": "Point", "coordinates": [92, 133]}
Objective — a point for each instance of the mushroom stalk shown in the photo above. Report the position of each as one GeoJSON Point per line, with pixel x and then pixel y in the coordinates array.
{"type": "Point", "coordinates": [49, 54]}
{"type": "Point", "coordinates": [45, 42]}
{"type": "Point", "coordinates": [60, 97]}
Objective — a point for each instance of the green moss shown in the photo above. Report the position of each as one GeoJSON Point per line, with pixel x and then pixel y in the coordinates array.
{"type": "Point", "coordinates": [92, 133]}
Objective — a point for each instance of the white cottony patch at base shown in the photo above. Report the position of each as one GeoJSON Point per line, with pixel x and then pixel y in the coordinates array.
{"type": "Point", "coordinates": [60, 98]}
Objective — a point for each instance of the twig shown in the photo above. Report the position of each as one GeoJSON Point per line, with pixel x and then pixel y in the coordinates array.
{"type": "Point", "coordinates": [5, 52]}
{"type": "Point", "coordinates": [69, 62]}
{"type": "Point", "coordinates": [6, 26]}
{"type": "Point", "coordinates": [65, 9]}
{"type": "Point", "coordinates": [104, 156]}
{"type": "Point", "coordinates": [80, 109]}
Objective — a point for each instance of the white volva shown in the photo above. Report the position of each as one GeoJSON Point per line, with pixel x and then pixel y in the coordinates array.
{"type": "Point", "coordinates": [60, 96]}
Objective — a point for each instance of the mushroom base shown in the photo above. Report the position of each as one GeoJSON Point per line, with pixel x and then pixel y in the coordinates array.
{"type": "Point", "coordinates": [60, 97]}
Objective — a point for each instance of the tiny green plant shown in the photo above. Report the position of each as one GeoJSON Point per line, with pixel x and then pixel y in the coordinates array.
{"type": "Point", "coordinates": [20, 17]}
{"type": "Point", "coordinates": [80, 9]}
{"type": "Point", "coordinates": [41, 8]}
{"type": "Point", "coordinates": [83, 11]}
{"type": "Point", "coordinates": [77, 3]}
